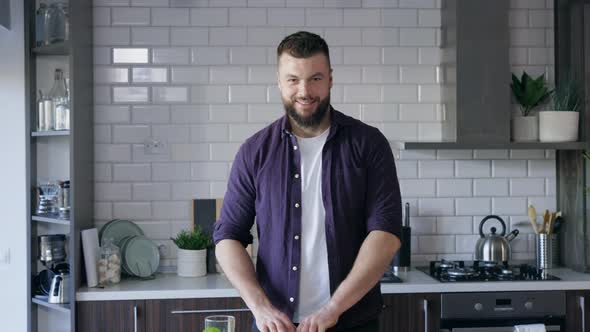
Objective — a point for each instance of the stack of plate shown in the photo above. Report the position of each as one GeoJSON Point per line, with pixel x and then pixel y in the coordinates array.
{"type": "Point", "coordinates": [140, 256]}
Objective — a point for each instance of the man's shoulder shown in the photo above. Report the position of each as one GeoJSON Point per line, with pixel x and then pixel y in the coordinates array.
{"type": "Point", "coordinates": [265, 135]}
{"type": "Point", "coordinates": [357, 129]}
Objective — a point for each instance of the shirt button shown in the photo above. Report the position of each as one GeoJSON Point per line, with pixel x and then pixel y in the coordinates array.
{"type": "Point", "coordinates": [296, 237]}
{"type": "Point", "coordinates": [296, 205]}
{"type": "Point", "coordinates": [297, 176]}
{"type": "Point", "coordinates": [294, 268]}
{"type": "Point", "coordinates": [291, 299]}
{"type": "Point", "coordinates": [295, 147]}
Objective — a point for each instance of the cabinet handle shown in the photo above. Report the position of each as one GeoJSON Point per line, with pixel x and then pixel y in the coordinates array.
{"type": "Point", "coordinates": [134, 318]}
{"type": "Point", "coordinates": [581, 301]}
{"type": "Point", "coordinates": [425, 307]}
{"type": "Point", "coordinates": [182, 312]}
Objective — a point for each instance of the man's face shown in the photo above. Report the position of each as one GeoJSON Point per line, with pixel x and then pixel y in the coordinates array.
{"type": "Point", "coordinates": [305, 87]}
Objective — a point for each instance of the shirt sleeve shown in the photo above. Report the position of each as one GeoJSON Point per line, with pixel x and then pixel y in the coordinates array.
{"type": "Point", "coordinates": [383, 204]}
{"type": "Point", "coordinates": [238, 209]}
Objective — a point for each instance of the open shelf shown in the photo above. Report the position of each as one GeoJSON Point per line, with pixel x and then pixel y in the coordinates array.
{"type": "Point", "coordinates": [492, 146]}
{"type": "Point", "coordinates": [51, 219]}
{"type": "Point", "coordinates": [50, 133]}
{"type": "Point", "coordinates": [54, 49]}
{"type": "Point", "coordinates": [65, 308]}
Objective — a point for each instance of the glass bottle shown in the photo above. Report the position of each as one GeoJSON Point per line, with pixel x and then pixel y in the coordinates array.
{"type": "Point", "coordinates": [109, 263]}
{"type": "Point", "coordinates": [61, 101]}
{"type": "Point", "coordinates": [40, 32]}
{"type": "Point", "coordinates": [45, 112]}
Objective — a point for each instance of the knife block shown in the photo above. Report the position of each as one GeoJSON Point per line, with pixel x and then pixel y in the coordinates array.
{"type": "Point", "coordinates": [401, 260]}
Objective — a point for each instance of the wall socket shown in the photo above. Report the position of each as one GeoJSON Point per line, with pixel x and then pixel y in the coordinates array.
{"type": "Point", "coordinates": [155, 146]}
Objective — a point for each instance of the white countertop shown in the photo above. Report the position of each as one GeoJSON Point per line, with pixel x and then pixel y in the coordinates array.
{"type": "Point", "coordinates": [170, 286]}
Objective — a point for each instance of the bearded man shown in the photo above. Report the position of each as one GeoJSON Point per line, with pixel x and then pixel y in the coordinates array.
{"type": "Point", "coordinates": [324, 191]}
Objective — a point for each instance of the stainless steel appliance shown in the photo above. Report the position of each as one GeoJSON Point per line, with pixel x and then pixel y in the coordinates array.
{"type": "Point", "coordinates": [494, 247]}
{"type": "Point", "coordinates": [59, 291]}
{"type": "Point", "coordinates": [52, 248]}
{"type": "Point", "coordinates": [460, 271]}
{"type": "Point", "coordinates": [500, 312]}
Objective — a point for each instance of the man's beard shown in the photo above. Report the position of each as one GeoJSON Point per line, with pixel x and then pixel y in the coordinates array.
{"type": "Point", "coordinates": [310, 121]}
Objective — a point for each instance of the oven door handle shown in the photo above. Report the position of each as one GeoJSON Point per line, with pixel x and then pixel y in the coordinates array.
{"type": "Point", "coordinates": [581, 302]}
{"type": "Point", "coordinates": [425, 307]}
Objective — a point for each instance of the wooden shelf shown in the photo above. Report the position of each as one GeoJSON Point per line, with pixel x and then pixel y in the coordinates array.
{"type": "Point", "coordinates": [51, 219]}
{"type": "Point", "coordinates": [55, 49]}
{"type": "Point", "coordinates": [50, 133]}
{"type": "Point", "coordinates": [491, 146]}
{"type": "Point", "coordinates": [65, 308]}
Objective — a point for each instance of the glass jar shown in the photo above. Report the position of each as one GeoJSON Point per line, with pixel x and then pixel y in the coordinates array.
{"type": "Point", "coordinates": [40, 32]}
{"type": "Point", "coordinates": [109, 263]}
{"type": "Point", "coordinates": [57, 22]}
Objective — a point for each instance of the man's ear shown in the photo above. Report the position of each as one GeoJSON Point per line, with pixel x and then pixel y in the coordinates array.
{"type": "Point", "coordinates": [331, 81]}
{"type": "Point", "coordinates": [278, 81]}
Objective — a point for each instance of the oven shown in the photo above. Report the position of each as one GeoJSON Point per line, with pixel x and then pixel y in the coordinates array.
{"type": "Point", "coordinates": [499, 312]}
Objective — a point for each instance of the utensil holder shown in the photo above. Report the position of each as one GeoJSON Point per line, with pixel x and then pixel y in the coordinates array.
{"type": "Point", "coordinates": [546, 251]}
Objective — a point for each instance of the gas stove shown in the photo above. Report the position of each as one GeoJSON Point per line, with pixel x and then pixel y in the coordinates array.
{"type": "Point", "coordinates": [460, 271]}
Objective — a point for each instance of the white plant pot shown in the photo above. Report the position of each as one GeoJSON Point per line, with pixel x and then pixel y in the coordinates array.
{"type": "Point", "coordinates": [525, 129]}
{"type": "Point", "coordinates": [192, 263]}
{"type": "Point", "coordinates": [559, 126]}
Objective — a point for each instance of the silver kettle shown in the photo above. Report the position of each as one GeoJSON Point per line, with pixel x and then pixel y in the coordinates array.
{"type": "Point", "coordinates": [60, 288]}
{"type": "Point", "coordinates": [494, 247]}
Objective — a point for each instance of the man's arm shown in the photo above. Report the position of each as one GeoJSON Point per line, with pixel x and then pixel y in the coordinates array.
{"type": "Point", "coordinates": [238, 267]}
{"type": "Point", "coordinates": [374, 256]}
{"type": "Point", "coordinates": [232, 235]}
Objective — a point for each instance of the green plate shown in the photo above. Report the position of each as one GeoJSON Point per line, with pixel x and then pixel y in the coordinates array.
{"type": "Point", "coordinates": [142, 257]}
{"type": "Point", "coordinates": [118, 229]}
{"type": "Point", "coordinates": [123, 247]}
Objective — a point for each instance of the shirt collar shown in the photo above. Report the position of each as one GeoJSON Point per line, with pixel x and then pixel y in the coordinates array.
{"type": "Point", "coordinates": [337, 120]}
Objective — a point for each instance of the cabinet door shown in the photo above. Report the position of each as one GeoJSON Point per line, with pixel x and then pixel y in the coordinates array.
{"type": "Point", "coordinates": [188, 315]}
{"type": "Point", "coordinates": [396, 313]}
{"type": "Point", "coordinates": [425, 312]}
{"type": "Point", "coordinates": [410, 312]}
{"type": "Point", "coordinates": [577, 310]}
{"type": "Point", "coordinates": [112, 316]}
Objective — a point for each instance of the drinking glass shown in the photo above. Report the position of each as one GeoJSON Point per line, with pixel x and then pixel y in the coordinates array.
{"type": "Point", "coordinates": [221, 322]}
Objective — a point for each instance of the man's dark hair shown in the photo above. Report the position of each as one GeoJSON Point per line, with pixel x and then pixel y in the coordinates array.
{"type": "Point", "coordinates": [303, 44]}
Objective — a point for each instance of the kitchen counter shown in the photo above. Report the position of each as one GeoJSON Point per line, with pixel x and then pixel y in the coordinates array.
{"type": "Point", "coordinates": [170, 286]}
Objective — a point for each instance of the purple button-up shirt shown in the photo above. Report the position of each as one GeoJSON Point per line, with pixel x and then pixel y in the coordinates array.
{"type": "Point", "coordinates": [360, 192]}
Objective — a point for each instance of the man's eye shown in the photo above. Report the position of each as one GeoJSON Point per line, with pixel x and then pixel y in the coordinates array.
{"type": "Point", "coordinates": [317, 78]}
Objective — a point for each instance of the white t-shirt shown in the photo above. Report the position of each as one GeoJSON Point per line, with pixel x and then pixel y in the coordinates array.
{"type": "Point", "coordinates": [314, 278]}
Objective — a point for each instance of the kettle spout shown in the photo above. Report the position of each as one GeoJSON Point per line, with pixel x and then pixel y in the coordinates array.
{"type": "Point", "coordinates": [510, 236]}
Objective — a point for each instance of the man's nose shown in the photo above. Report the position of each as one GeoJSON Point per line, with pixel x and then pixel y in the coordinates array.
{"type": "Point", "coordinates": [304, 89]}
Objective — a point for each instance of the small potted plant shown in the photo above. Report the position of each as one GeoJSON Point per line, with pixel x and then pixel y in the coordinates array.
{"type": "Point", "coordinates": [530, 93]}
{"type": "Point", "coordinates": [192, 252]}
{"type": "Point", "coordinates": [561, 123]}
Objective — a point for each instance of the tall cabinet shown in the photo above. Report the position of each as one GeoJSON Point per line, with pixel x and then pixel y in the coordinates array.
{"type": "Point", "coordinates": [60, 155]}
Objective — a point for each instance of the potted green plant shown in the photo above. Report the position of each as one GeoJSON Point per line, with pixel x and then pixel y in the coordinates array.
{"type": "Point", "coordinates": [192, 252]}
{"type": "Point", "coordinates": [530, 93]}
{"type": "Point", "coordinates": [561, 123]}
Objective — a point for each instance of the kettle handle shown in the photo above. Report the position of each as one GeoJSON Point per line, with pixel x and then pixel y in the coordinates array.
{"type": "Point", "coordinates": [483, 221]}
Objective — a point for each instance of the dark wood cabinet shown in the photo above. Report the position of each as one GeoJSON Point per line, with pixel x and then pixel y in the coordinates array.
{"type": "Point", "coordinates": [188, 315]}
{"type": "Point", "coordinates": [112, 316]}
{"type": "Point", "coordinates": [577, 310]}
{"type": "Point", "coordinates": [410, 312]}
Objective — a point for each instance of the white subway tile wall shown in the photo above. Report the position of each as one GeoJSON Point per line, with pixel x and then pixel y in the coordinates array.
{"type": "Point", "coordinates": [200, 77]}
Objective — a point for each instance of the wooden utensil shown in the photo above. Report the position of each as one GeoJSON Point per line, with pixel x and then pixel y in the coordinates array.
{"type": "Point", "coordinates": [533, 218]}
{"type": "Point", "coordinates": [551, 223]}
{"type": "Point", "coordinates": [546, 217]}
